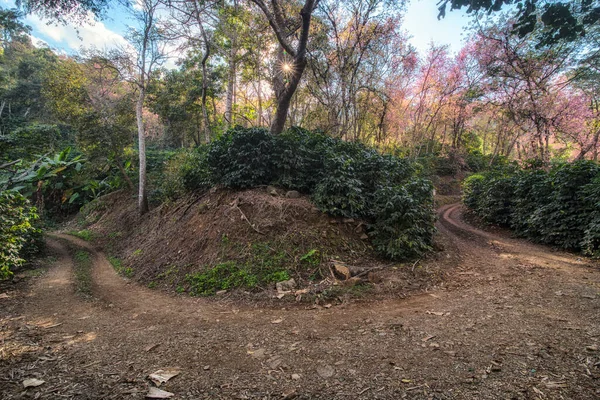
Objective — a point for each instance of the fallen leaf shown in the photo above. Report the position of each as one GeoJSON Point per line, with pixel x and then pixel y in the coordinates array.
{"type": "Point", "coordinates": [260, 353]}
{"type": "Point", "coordinates": [3, 296]}
{"type": "Point", "coordinates": [163, 375]}
{"type": "Point", "coordinates": [325, 371]}
{"type": "Point", "coordinates": [438, 313]}
{"type": "Point", "coordinates": [156, 393]}
{"type": "Point", "coordinates": [406, 381]}
{"type": "Point", "coordinates": [32, 382]}
{"type": "Point", "coordinates": [151, 347]}
{"type": "Point", "coordinates": [428, 338]}
{"type": "Point", "coordinates": [48, 326]}
{"type": "Point", "coordinates": [277, 321]}
{"type": "Point", "coordinates": [288, 395]}
{"type": "Point", "coordinates": [295, 377]}
{"type": "Point", "coordinates": [555, 385]}
{"type": "Point", "coordinates": [592, 348]}
{"type": "Point", "coordinates": [274, 362]}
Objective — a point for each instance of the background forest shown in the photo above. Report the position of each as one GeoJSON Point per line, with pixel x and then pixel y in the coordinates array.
{"type": "Point", "coordinates": [524, 87]}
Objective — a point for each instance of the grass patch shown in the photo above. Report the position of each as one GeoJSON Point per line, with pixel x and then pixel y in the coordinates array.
{"type": "Point", "coordinates": [252, 266]}
{"type": "Point", "coordinates": [85, 234]}
{"type": "Point", "coordinates": [229, 275]}
{"type": "Point", "coordinates": [119, 268]}
{"type": "Point", "coordinates": [83, 269]}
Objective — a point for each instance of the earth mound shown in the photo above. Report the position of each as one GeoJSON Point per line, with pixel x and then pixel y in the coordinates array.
{"type": "Point", "coordinates": [249, 240]}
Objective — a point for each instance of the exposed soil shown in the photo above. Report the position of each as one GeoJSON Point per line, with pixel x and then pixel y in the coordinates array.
{"type": "Point", "coordinates": [512, 320]}
{"type": "Point", "coordinates": [199, 231]}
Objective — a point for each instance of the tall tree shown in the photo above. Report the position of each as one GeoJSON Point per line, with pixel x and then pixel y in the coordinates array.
{"type": "Point", "coordinates": [292, 34]}
{"type": "Point", "coordinates": [136, 63]}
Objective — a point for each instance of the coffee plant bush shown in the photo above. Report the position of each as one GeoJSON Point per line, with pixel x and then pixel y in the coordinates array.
{"type": "Point", "coordinates": [19, 238]}
{"type": "Point", "coordinates": [344, 179]}
{"type": "Point", "coordinates": [559, 207]}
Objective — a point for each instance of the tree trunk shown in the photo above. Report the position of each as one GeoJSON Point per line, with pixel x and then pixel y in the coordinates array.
{"type": "Point", "coordinates": [124, 173]}
{"type": "Point", "coordinates": [205, 88]}
{"type": "Point", "coordinates": [285, 97]}
{"type": "Point", "coordinates": [142, 195]}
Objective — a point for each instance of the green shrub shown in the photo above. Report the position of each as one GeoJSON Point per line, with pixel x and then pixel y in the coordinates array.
{"type": "Point", "coordinates": [344, 179]}
{"type": "Point", "coordinates": [472, 191]}
{"type": "Point", "coordinates": [299, 158]}
{"type": "Point", "coordinates": [557, 207]}
{"type": "Point", "coordinates": [242, 158]}
{"type": "Point", "coordinates": [495, 203]}
{"type": "Point", "coordinates": [591, 237]}
{"type": "Point", "coordinates": [185, 171]}
{"type": "Point", "coordinates": [19, 238]}
{"type": "Point", "coordinates": [404, 223]}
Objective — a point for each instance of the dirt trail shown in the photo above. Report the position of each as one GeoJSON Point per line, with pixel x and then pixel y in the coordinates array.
{"type": "Point", "coordinates": [512, 321]}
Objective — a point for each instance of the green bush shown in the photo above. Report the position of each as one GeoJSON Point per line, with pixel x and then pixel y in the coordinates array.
{"type": "Point", "coordinates": [558, 207]}
{"type": "Point", "coordinates": [404, 220]}
{"type": "Point", "coordinates": [344, 179]}
{"type": "Point", "coordinates": [242, 158]}
{"type": "Point", "coordinates": [185, 171]}
{"type": "Point", "coordinates": [591, 237]}
{"type": "Point", "coordinates": [19, 238]}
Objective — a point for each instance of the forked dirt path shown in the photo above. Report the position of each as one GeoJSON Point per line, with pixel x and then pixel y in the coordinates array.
{"type": "Point", "coordinates": [512, 320]}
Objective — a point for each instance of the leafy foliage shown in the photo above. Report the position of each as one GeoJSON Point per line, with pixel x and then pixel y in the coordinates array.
{"type": "Point", "coordinates": [57, 183]}
{"type": "Point", "coordinates": [19, 238]}
{"type": "Point", "coordinates": [242, 158]}
{"type": "Point", "coordinates": [345, 179]}
{"type": "Point", "coordinates": [558, 207]}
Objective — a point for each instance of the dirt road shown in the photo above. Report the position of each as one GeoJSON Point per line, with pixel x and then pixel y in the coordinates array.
{"type": "Point", "coordinates": [512, 321]}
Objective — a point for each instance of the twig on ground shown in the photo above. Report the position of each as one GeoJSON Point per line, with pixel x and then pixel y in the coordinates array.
{"type": "Point", "coordinates": [247, 220]}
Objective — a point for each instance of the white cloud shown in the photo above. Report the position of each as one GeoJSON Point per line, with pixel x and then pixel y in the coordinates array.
{"type": "Point", "coordinates": [88, 34]}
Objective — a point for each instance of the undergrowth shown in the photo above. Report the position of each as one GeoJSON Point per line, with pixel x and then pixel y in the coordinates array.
{"type": "Point", "coordinates": [82, 271]}
{"type": "Point", "coordinates": [343, 179]}
{"type": "Point", "coordinates": [263, 265]}
{"type": "Point", "coordinates": [559, 207]}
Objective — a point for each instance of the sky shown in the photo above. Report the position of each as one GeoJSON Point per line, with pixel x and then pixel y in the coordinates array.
{"type": "Point", "coordinates": [420, 21]}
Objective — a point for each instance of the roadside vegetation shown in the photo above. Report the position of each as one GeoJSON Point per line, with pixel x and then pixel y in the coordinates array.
{"type": "Point", "coordinates": [559, 206]}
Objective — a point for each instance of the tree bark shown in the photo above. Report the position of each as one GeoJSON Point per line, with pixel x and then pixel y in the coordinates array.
{"type": "Point", "coordinates": [142, 193]}
{"type": "Point", "coordinates": [277, 22]}
{"type": "Point", "coordinates": [205, 86]}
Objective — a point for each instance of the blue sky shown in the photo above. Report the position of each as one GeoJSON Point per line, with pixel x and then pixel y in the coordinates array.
{"type": "Point", "coordinates": [420, 21]}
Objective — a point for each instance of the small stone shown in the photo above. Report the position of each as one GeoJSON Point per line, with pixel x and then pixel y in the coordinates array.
{"type": "Point", "coordinates": [206, 367]}
{"type": "Point", "coordinates": [272, 191]}
{"type": "Point", "coordinates": [292, 194]}
{"type": "Point", "coordinates": [284, 286]}
{"type": "Point", "coordinates": [364, 236]}
{"type": "Point", "coordinates": [295, 377]}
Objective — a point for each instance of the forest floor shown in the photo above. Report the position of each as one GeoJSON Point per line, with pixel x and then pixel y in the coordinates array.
{"type": "Point", "coordinates": [513, 320]}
